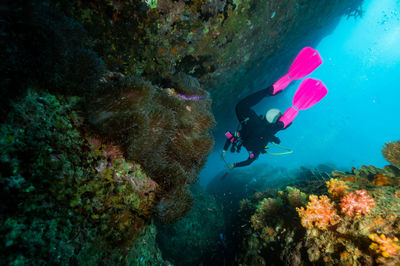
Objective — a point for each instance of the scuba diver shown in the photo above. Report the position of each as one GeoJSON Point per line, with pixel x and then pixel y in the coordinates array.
{"type": "Point", "coordinates": [255, 132]}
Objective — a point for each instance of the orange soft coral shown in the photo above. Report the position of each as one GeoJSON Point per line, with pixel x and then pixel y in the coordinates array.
{"type": "Point", "coordinates": [381, 180]}
{"type": "Point", "coordinates": [384, 245]}
{"type": "Point", "coordinates": [336, 188]}
{"type": "Point", "coordinates": [319, 213]}
{"type": "Point", "coordinates": [357, 203]}
{"type": "Point", "coordinates": [349, 178]}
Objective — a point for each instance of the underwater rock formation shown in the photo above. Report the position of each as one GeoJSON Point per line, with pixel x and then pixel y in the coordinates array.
{"type": "Point", "coordinates": [43, 47]}
{"type": "Point", "coordinates": [199, 229]}
{"type": "Point", "coordinates": [66, 197]}
{"type": "Point", "coordinates": [78, 195]}
{"type": "Point", "coordinates": [224, 44]}
{"type": "Point", "coordinates": [158, 128]}
{"type": "Point", "coordinates": [364, 231]}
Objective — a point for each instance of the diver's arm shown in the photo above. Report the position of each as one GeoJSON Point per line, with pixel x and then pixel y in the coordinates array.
{"type": "Point", "coordinates": [226, 146]}
{"type": "Point", "coordinates": [251, 159]}
{"type": "Point", "coordinates": [230, 138]}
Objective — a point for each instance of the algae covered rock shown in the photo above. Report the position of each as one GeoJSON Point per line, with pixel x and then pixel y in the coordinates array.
{"type": "Point", "coordinates": [229, 46]}
{"type": "Point", "coordinates": [200, 230]}
{"type": "Point", "coordinates": [43, 47]}
{"type": "Point", "coordinates": [67, 198]}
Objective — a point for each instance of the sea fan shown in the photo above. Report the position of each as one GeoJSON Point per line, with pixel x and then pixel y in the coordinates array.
{"type": "Point", "coordinates": [391, 152]}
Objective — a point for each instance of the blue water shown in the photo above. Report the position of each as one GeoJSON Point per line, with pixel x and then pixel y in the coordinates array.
{"type": "Point", "coordinates": [361, 69]}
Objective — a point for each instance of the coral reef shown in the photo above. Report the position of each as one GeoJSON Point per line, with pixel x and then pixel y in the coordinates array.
{"type": "Point", "coordinates": [78, 195]}
{"type": "Point", "coordinates": [67, 198]}
{"type": "Point", "coordinates": [391, 152]}
{"type": "Point", "coordinates": [364, 232]}
{"type": "Point", "coordinates": [156, 129]}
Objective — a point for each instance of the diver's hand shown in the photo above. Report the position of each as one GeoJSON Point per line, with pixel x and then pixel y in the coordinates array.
{"type": "Point", "coordinates": [230, 165]}
{"type": "Point", "coordinates": [223, 154]}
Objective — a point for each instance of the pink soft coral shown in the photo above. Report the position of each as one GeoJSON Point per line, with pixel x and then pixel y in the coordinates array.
{"type": "Point", "coordinates": [357, 203]}
{"type": "Point", "coordinates": [319, 213]}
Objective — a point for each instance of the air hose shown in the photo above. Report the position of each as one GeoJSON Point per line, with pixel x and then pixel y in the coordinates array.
{"type": "Point", "coordinates": [289, 151]}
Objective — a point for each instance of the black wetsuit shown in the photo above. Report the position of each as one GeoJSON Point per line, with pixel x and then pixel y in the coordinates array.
{"type": "Point", "coordinates": [256, 132]}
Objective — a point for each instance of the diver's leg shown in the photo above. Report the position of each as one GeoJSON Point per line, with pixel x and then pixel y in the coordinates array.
{"type": "Point", "coordinates": [243, 110]}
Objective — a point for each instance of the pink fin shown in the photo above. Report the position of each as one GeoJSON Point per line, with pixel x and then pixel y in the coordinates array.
{"type": "Point", "coordinates": [306, 62]}
{"type": "Point", "coordinates": [309, 93]}
{"type": "Point", "coordinates": [288, 116]}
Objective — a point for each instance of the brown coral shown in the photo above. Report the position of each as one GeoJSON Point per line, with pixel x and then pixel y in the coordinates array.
{"type": "Point", "coordinates": [391, 152]}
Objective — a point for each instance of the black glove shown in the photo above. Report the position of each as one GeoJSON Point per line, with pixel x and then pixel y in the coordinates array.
{"type": "Point", "coordinates": [276, 140]}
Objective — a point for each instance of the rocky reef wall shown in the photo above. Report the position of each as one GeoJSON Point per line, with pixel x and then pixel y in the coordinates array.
{"type": "Point", "coordinates": [67, 197]}
{"type": "Point", "coordinates": [231, 47]}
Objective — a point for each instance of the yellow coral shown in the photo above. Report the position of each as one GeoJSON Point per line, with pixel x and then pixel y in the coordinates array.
{"type": "Point", "coordinates": [319, 213]}
{"type": "Point", "coordinates": [336, 188]}
{"type": "Point", "coordinates": [384, 245]}
{"type": "Point", "coordinates": [391, 152]}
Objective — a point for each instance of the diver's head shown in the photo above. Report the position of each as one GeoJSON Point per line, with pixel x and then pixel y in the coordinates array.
{"type": "Point", "coordinates": [273, 115]}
